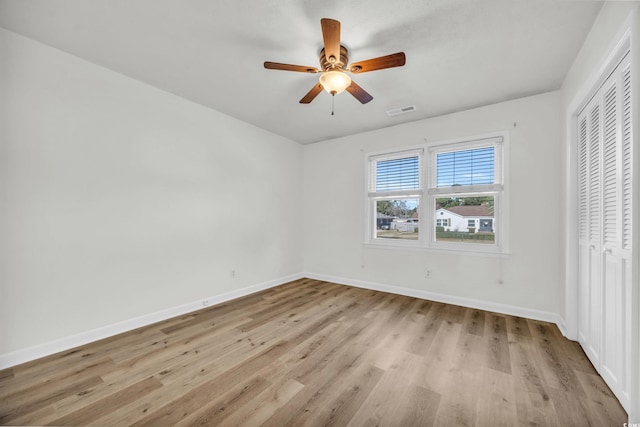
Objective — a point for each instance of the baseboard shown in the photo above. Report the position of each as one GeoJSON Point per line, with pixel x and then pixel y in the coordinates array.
{"type": "Point", "coordinates": [32, 353]}
{"type": "Point", "coordinates": [41, 350]}
{"type": "Point", "coordinates": [560, 322]}
{"type": "Point", "coordinates": [511, 310]}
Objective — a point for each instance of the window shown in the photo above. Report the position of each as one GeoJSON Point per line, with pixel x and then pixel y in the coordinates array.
{"type": "Point", "coordinates": [395, 195]}
{"type": "Point", "coordinates": [443, 222]}
{"type": "Point", "coordinates": [456, 191]}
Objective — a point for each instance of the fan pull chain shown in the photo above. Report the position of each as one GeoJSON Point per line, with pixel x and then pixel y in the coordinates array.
{"type": "Point", "coordinates": [333, 97]}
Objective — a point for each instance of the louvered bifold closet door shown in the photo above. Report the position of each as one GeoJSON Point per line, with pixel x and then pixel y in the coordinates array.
{"type": "Point", "coordinates": [605, 177]}
{"type": "Point", "coordinates": [613, 328]}
{"type": "Point", "coordinates": [583, 230]}
{"type": "Point", "coordinates": [627, 156]}
{"type": "Point", "coordinates": [627, 251]}
{"type": "Point", "coordinates": [590, 290]}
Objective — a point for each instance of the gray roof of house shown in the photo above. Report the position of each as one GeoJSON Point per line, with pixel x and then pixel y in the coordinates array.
{"type": "Point", "coordinates": [472, 211]}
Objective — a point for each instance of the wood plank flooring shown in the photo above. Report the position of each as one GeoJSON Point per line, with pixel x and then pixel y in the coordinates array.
{"type": "Point", "coordinates": [316, 353]}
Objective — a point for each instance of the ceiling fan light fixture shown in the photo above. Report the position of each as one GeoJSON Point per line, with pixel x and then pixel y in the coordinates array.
{"type": "Point", "coordinates": [335, 82]}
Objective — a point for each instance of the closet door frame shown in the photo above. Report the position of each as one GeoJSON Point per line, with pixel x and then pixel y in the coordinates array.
{"type": "Point", "coordinates": [623, 44]}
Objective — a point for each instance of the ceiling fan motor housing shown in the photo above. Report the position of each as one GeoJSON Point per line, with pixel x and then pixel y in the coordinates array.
{"type": "Point", "coordinates": [339, 63]}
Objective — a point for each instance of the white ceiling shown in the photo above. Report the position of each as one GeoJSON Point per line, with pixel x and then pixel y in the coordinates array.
{"type": "Point", "coordinates": [460, 53]}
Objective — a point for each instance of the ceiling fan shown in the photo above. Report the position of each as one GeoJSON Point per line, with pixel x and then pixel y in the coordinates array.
{"type": "Point", "coordinates": [334, 60]}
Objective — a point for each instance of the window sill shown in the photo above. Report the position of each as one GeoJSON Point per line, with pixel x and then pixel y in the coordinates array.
{"type": "Point", "coordinates": [452, 251]}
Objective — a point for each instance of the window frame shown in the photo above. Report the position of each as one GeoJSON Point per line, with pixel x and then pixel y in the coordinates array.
{"type": "Point", "coordinates": [373, 196]}
{"type": "Point", "coordinates": [429, 192]}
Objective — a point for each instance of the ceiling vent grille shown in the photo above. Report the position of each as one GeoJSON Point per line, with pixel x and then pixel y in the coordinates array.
{"type": "Point", "coordinates": [401, 110]}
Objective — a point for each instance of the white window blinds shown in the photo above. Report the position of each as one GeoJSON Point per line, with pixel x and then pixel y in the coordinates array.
{"type": "Point", "coordinates": [397, 174]}
{"type": "Point", "coordinates": [465, 167]}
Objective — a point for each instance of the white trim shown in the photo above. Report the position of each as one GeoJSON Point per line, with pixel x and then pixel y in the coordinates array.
{"type": "Point", "coordinates": [466, 190]}
{"type": "Point", "coordinates": [481, 138]}
{"type": "Point", "coordinates": [392, 155]}
{"type": "Point", "coordinates": [634, 384]}
{"type": "Point", "coordinates": [510, 310]}
{"type": "Point", "coordinates": [461, 144]}
{"type": "Point", "coordinates": [617, 51]}
{"type": "Point", "coordinates": [14, 358]}
{"type": "Point", "coordinates": [414, 248]}
{"type": "Point", "coordinates": [395, 194]}
{"type": "Point", "coordinates": [634, 392]}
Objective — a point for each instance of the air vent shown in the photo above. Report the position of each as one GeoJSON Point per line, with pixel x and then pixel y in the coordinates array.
{"type": "Point", "coordinates": [401, 110]}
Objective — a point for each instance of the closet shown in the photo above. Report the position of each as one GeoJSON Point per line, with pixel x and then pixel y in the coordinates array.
{"type": "Point", "coordinates": [605, 194]}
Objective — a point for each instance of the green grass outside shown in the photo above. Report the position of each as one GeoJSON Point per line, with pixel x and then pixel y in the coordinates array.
{"type": "Point", "coordinates": [395, 234]}
{"type": "Point", "coordinates": [441, 236]}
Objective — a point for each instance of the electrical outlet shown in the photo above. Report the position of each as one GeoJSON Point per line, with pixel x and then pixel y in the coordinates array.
{"type": "Point", "coordinates": [427, 273]}
{"type": "Point", "coordinates": [233, 273]}
{"type": "Point", "coordinates": [205, 302]}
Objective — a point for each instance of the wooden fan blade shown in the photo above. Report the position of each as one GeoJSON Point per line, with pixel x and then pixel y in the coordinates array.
{"type": "Point", "coordinates": [310, 96]}
{"type": "Point", "coordinates": [289, 67]}
{"type": "Point", "coordinates": [359, 93]}
{"type": "Point", "coordinates": [380, 63]}
{"type": "Point", "coordinates": [331, 37]}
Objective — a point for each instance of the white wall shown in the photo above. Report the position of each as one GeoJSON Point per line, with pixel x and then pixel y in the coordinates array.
{"type": "Point", "coordinates": [595, 47]}
{"type": "Point", "coordinates": [118, 199]}
{"type": "Point", "coordinates": [334, 174]}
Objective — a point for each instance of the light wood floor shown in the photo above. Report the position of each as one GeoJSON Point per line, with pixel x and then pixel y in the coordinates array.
{"type": "Point", "coordinates": [316, 353]}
